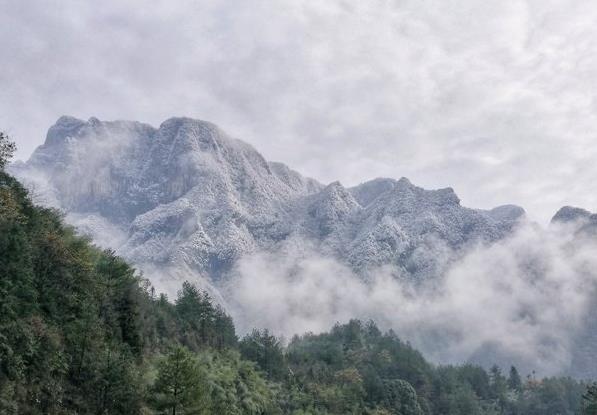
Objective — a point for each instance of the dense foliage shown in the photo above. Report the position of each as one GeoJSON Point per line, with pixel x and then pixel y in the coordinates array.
{"type": "Point", "coordinates": [81, 332]}
{"type": "Point", "coordinates": [590, 400]}
{"type": "Point", "coordinates": [7, 149]}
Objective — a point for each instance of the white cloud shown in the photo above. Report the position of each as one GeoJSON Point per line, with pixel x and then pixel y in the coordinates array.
{"type": "Point", "coordinates": [521, 300]}
{"type": "Point", "coordinates": [493, 99]}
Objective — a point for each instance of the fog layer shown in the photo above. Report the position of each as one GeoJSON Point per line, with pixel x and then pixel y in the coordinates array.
{"type": "Point", "coordinates": [521, 300]}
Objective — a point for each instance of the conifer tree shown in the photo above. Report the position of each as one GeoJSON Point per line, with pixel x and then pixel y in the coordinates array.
{"type": "Point", "coordinates": [514, 380]}
{"type": "Point", "coordinates": [180, 387]}
{"type": "Point", "coordinates": [266, 350]}
{"type": "Point", "coordinates": [590, 400]}
{"type": "Point", "coordinates": [7, 149]}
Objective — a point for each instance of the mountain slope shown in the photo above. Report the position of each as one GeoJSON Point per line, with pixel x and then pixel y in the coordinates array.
{"type": "Point", "coordinates": [186, 202]}
{"type": "Point", "coordinates": [187, 194]}
{"type": "Point", "coordinates": [81, 332]}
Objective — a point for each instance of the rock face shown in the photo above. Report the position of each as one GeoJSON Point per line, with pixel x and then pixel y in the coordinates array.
{"type": "Point", "coordinates": [582, 224]}
{"type": "Point", "coordinates": [568, 214]}
{"type": "Point", "coordinates": [186, 193]}
{"type": "Point", "coordinates": [580, 221]}
{"type": "Point", "coordinates": [188, 201]}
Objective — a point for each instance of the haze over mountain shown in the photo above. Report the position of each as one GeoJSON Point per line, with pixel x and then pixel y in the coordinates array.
{"type": "Point", "coordinates": [186, 192]}
{"type": "Point", "coordinates": [338, 90]}
{"type": "Point", "coordinates": [186, 201]}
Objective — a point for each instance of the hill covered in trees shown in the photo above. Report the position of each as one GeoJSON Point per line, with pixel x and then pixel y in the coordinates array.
{"type": "Point", "coordinates": [82, 333]}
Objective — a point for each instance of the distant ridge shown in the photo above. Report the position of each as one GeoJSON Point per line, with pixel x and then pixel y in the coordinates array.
{"type": "Point", "coordinates": [187, 193]}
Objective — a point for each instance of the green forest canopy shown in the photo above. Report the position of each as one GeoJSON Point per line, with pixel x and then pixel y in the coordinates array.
{"type": "Point", "coordinates": [82, 333]}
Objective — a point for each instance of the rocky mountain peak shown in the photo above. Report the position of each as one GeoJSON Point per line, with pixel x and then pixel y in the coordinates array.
{"type": "Point", "coordinates": [507, 213]}
{"type": "Point", "coordinates": [64, 127]}
{"type": "Point", "coordinates": [367, 192]}
{"type": "Point", "coordinates": [569, 214]}
{"type": "Point", "coordinates": [187, 193]}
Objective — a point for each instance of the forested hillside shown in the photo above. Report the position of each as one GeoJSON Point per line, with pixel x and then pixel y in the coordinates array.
{"type": "Point", "coordinates": [82, 333]}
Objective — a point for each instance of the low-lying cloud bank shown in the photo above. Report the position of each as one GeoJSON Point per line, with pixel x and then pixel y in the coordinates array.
{"type": "Point", "coordinates": [521, 300]}
{"type": "Point", "coordinates": [524, 300]}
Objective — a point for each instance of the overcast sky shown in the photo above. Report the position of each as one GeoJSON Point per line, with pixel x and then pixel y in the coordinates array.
{"type": "Point", "coordinates": [495, 99]}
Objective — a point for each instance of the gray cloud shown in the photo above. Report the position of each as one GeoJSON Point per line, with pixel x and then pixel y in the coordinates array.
{"type": "Point", "coordinates": [493, 99]}
{"type": "Point", "coordinates": [522, 300]}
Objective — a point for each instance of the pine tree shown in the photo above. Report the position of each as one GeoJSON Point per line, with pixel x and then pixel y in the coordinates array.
{"type": "Point", "coordinates": [590, 400]}
{"type": "Point", "coordinates": [499, 386]}
{"type": "Point", "coordinates": [180, 387]}
{"type": "Point", "coordinates": [514, 380]}
{"type": "Point", "coordinates": [266, 350]}
{"type": "Point", "coordinates": [7, 149]}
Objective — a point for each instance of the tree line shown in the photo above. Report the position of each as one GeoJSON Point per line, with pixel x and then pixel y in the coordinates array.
{"type": "Point", "coordinates": [81, 332]}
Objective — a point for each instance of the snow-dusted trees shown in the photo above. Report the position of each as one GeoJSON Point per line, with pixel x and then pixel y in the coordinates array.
{"type": "Point", "coordinates": [7, 149]}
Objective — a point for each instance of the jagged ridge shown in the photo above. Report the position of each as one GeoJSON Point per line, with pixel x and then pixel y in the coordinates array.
{"type": "Point", "coordinates": [186, 192]}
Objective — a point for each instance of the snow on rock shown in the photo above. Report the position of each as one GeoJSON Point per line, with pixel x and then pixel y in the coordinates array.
{"type": "Point", "coordinates": [569, 214]}
{"type": "Point", "coordinates": [185, 202]}
{"type": "Point", "coordinates": [187, 195]}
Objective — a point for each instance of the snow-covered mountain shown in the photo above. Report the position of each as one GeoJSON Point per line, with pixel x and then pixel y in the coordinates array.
{"type": "Point", "coordinates": [580, 221]}
{"type": "Point", "coordinates": [187, 193]}
{"type": "Point", "coordinates": [187, 202]}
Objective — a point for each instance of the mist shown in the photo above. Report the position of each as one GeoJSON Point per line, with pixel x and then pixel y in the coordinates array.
{"type": "Point", "coordinates": [518, 301]}
{"type": "Point", "coordinates": [522, 300]}
{"type": "Point", "coordinates": [338, 90]}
